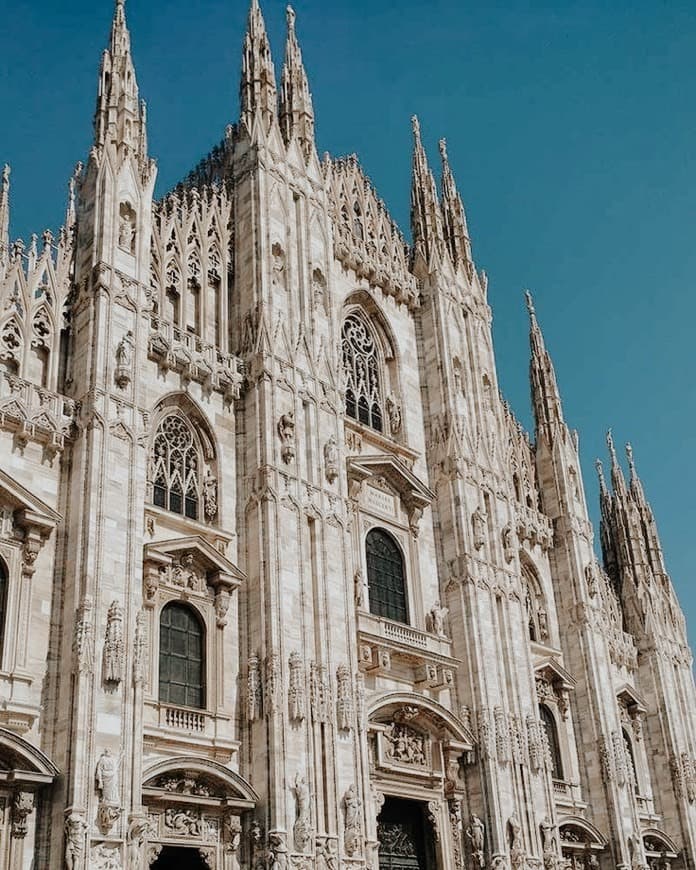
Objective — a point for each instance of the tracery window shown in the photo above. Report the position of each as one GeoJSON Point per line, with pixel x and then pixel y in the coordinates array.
{"type": "Point", "coordinates": [549, 723]}
{"type": "Point", "coordinates": [386, 580]}
{"type": "Point", "coordinates": [535, 605]}
{"type": "Point", "coordinates": [630, 759]}
{"type": "Point", "coordinates": [176, 468]}
{"type": "Point", "coordinates": [362, 371]}
{"type": "Point", "coordinates": [181, 658]}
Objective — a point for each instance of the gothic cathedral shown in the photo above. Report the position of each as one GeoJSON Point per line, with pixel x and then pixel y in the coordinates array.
{"type": "Point", "coordinates": [283, 582]}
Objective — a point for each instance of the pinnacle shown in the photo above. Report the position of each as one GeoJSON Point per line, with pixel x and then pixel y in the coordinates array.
{"type": "Point", "coordinates": [530, 303]}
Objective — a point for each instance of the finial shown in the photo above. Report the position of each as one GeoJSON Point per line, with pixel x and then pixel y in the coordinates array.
{"type": "Point", "coordinates": [629, 454]}
{"type": "Point", "coordinates": [530, 303]}
{"type": "Point", "coordinates": [6, 175]}
{"type": "Point", "coordinates": [443, 149]}
{"type": "Point", "coordinates": [415, 125]}
{"type": "Point", "coordinates": [290, 17]}
{"type": "Point", "coordinates": [610, 445]}
{"type": "Point", "coordinates": [600, 472]}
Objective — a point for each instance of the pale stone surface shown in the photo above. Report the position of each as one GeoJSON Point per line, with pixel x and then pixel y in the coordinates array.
{"type": "Point", "coordinates": [214, 321]}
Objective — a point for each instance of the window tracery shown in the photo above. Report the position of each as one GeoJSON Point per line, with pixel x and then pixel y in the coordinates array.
{"type": "Point", "coordinates": [180, 482]}
{"type": "Point", "coordinates": [362, 371]}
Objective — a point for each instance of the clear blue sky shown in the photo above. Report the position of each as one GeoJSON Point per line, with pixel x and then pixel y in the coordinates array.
{"type": "Point", "coordinates": [572, 132]}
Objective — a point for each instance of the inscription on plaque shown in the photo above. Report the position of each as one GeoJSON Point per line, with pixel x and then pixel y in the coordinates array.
{"type": "Point", "coordinates": [381, 501]}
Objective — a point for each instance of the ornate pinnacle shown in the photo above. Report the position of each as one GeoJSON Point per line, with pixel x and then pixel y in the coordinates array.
{"type": "Point", "coordinates": [415, 126]}
{"type": "Point", "coordinates": [290, 17]}
{"type": "Point", "coordinates": [610, 445]}
{"type": "Point", "coordinates": [530, 303]}
{"type": "Point", "coordinates": [443, 149]}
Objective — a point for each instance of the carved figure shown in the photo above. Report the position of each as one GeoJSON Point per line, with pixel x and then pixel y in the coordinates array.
{"type": "Point", "coordinates": [302, 830]}
{"type": "Point", "coordinates": [113, 644]}
{"type": "Point", "coordinates": [475, 834]}
{"type": "Point", "coordinates": [75, 827]}
{"type": "Point", "coordinates": [331, 459]}
{"type": "Point", "coordinates": [253, 689]}
{"type": "Point", "coordinates": [140, 648]}
{"type": "Point", "coordinates": [105, 857]}
{"type": "Point", "coordinates": [277, 851]}
{"type": "Point", "coordinates": [516, 847]}
{"type": "Point", "coordinates": [351, 809]}
{"type": "Point", "coordinates": [478, 525]}
{"type": "Point", "coordinates": [286, 432]}
{"type": "Point", "coordinates": [394, 413]}
{"type": "Point", "coordinates": [437, 616]}
{"type": "Point", "coordinates": [273, 686]}
{"type": "Point", "coordinates": [549, 843]}
{"type": "Point", "coordinates": [508, 543]}
{"type": "Point", "coordinates": [183, 823]}
{"type": "Point", "coordinates": [210, 495]}
{"type": "Point", "coordinates": [126, 230]}
{"type": "Point", "coordinates": [233, 830]}
{"type": "Point", "coordinates": [405, 745]}
{"type": "Point", "coordinates": [108, 779]}
{"type": "Point", "coordinates": [138, 831]}
{"type": "Point", "coordinates": [359, 589]}
{"type": "Point", "coordinates": [22, 807]}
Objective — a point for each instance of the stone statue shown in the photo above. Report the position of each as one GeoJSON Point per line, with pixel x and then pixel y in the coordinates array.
{"type": "Point", "coordinates": [124, 360]}
{"type": "Point", "coordinates": [302, 830]}
{"type": "Point", "coordinates": [108, 778]}
{"type": "Point", "coordinates": [126, 230]}
{"type": "Point", "coordinates": [394, 413]}
{"type": "Point", "coordinates": [516, 847]}
{"type": "Point", "coordinates": [475, 835]}
{"type": "Point", "coordinates": [331, 459]}
{"type": "Point", "coordinates": [478, 525]}
{"type": "Point", "coordinates": [351, 809]}
{"type": "Point", "coordinates": [437, 616]}
{"type": "Point", "coordinates": [210, 495]}
{"type": "Point", "coordinates": [113, 644]}
{"type": "Point", "coordinates": [359, 589]}
{"type": "Point", "coordinates": [277, 851]}
{"type": "Point", "coordinates": [75, 827]}
{"type": "Point", "coordinates": [138, 831]}
{"type": "Point", "coordinates": [286, 432]}
{"type": "Point", "coordinates": [549, 844]}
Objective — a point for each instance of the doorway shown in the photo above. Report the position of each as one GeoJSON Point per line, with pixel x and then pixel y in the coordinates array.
{"type": "Point", "coordinates": [405, 836]}
{"type": "Point", "coordinates": [179, 858]}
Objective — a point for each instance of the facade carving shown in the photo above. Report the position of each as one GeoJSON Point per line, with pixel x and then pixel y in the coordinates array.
{"type": "Point", "coordinates": [284, 584]}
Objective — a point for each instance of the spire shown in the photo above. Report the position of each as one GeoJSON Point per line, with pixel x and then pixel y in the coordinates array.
{"type": "Point", "coordinates": [120, 118]}
{"type": "Point", "coordinates": [426, 220]}
{"type": "Point", "coordinates": [546, 399]}
{"type": "Point", "coordinates": [618, 483]}
{"type": "Point", "coordinates": [4, 220]}
{"type": "Point", "coordinates": [454, 217]}
{"type": "Point", "coordinates": [296, 111]}
{"type": "Point", "coordinates": [635, 482]}
{"type": "Point", "coordinates": [257, 90]}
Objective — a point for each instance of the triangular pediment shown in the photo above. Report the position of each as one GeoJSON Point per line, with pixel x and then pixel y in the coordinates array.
{"type": "Point", "coordinates": [28, 509]}
{"type": "Point", "coordinates": [631, 698]}
{"type": "Point", "coordinates": [410, 488]}
{"type": "Point", "coordinates": [206, 557]}
{"type": "Point", "coordinates": [555, 673]}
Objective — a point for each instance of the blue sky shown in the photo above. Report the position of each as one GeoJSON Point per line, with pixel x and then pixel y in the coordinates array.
{"type": "Point", "coordinates": [571, 130]}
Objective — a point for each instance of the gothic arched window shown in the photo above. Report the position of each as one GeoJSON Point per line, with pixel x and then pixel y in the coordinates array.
{"type": "Point", "coordinates": [535, 605]}
{"type": "Point", "coordinates": [176, 464]}
{"type": "Point", "coordinates": [3, 603]}
{"type": "Point", "coordinates": [386, 580]}
{"type": "Point", "coordinates": [362, 371]}
{"type": "Point", "coordinates": [181, 657]}
{"type": "Point", "coordinates": [549, 723]}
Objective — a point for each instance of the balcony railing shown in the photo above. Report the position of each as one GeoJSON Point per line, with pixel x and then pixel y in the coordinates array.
{"type": "Point", "coordinates": [183, 719]}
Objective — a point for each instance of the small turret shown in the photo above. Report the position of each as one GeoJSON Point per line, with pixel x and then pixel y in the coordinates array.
{"type": "Point", "coordinates": [120, 119]}
{"type": "Point", "coordinates": [454, 217]}
{"type": "Point", "coordinates": [546, 400]}
{"type": "Point", "coordinates": [296, 110]}
{"type": "Point", "coordinates": [257, 92]}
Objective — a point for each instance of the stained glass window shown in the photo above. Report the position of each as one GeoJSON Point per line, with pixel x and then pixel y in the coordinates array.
{"type": "Point", "coordinates": [385, 576]}
{"type": "Point", "coordinates": [361, 365]}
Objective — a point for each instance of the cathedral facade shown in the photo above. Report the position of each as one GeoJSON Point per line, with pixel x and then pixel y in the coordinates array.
{"type": "Point", "coordinates": [283, 582]}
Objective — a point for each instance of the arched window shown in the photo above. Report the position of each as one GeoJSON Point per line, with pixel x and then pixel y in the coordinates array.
{"type": "Point", "coordinates": [3, 603]}
{"type": "Point", "coordinates": [549, 723]}
{"type": "Point", "coordinates": [535, 605]}
{"type": "Point", "coordinates": [181, 657]}
{"type": "Point", "coordinates": [362, 371]}
{"type": "Point", "coordinates": [386, 580]}
{"type": "Point", "coordinates": [175, 471]}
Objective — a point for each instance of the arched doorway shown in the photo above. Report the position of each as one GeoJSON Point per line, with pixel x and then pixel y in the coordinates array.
{"type": "Point", "coordinates": [405, 836]}
{"type": "Point", "coordinates": [179, 858]}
